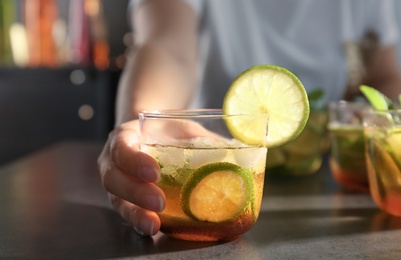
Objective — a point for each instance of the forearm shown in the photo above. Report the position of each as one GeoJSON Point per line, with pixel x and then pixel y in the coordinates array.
{"type": "Point", "coordinates": [160, 73]}
{"type": "Point", "coordinates": [154, 79]}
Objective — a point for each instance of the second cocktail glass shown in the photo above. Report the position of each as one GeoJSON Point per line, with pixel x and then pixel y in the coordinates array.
{"type": "Point", "coordinates": [347, 151]}
{"type": "Point", "coordinates": [383, 152]}
{"type": "Point", "coordinates": [304, 155]}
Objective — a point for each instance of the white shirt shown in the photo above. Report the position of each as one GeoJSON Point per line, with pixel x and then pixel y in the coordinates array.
{"type": "Point", "coordinates": [304, 36]}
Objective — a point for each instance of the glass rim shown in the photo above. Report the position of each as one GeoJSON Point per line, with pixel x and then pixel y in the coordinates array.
{"type": "Point", "coordinates": [348, 103]}
{"type": "Point", "coordinates": [191, 113]}
{"type": "Point", "coordinates": [376, 111]}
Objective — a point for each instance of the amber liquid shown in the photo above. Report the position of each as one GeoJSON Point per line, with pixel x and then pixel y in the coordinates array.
{"type": "Point", "coordinates": [177, 224]}
{"type": "Point", "coordinates": [353, 179]}
{"type": "Point", "coordinates": [384, 170]}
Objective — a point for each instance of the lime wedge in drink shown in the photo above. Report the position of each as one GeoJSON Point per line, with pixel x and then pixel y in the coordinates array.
{"type": "Point", "coordinates": [217, 192]}
{"type": "Point", "coordinates": [377, 99]}
{"type": "Point", "coordinates": [393, 141]}
{"type": "Point", "coordinates": [272, 91]}
{"type": "Point", "coordinates": [383, 163]}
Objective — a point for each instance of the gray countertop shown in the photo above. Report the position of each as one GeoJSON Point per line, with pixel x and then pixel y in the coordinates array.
{"type": "Point", "coordinates": [53, 207]}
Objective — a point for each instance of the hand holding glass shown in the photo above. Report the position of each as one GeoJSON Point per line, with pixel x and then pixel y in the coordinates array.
{"type": "Point", "coordinates": [213, 183]}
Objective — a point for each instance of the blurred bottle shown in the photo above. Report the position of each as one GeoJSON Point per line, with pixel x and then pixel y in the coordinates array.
{"type": "Point", "coordinates": [39, 19]}
{"type": "Point", "coordinates": [19, 44]}
{"type": "Point", "coordinates": [78, 33]}
{"type": "Point", "coordinates": [97, 25]}
{"type": "Point", "coordinates": [7, 17]}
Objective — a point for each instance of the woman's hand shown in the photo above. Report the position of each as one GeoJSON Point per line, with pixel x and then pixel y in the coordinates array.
{"type": "Point", "coordinates": [129, 176]}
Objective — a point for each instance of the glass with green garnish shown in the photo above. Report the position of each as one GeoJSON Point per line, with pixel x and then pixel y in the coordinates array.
{"type": "Point", "coordinates": [303, 156]}
{"type": "Point", "coordinates": [212, 161]}
{"type": "Point", "coordinates": [382, 130]}
{"type": "Point", "coordinates": [347, 151]}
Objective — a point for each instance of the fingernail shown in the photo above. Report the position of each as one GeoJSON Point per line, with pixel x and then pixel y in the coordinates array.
{"type": "Point", "coordinates": [147, 173]}
{"type": "Point", "coordinates": [140, 232]}
{"type": "Point", "coordinates": [147, 227]}
{"type": "Point", "coordinates": [154, 202]}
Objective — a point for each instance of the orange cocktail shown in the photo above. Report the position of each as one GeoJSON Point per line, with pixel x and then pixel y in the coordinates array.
{"type": "Point", "coordinates": [347, 151]}
{"type": "Point", "coordinates": [383, 152]}
{"type": "Point", "coordinates": [213, 183]}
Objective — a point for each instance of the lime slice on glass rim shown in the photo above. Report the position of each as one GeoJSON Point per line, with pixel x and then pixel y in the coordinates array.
{"type": "Point", "coordinates": [217, 192]}
{"type": "Point", "coordinates": [267, 90]}
{"type": "Point", "coordinates": [276, 99]}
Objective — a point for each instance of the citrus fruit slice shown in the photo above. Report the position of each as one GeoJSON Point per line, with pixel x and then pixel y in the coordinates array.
{"type": "Point", "coordinates": [377, 99]}
{"type": "Point", "coordinates": [271, 91]}
{"type": "Point", "coordinates": [217, 192]}
{"type": "Point", "coordinates": [394, 145]}
{"type": "Point", "coordinates": [383, 163]}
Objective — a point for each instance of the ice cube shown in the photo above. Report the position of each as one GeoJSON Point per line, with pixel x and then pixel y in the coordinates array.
{"type": "Point", "coordinates": [170, 156]}
{"type": "Point", "coordinates": [249, 157]}
{"type": "Point", "coordinates": [200, 157]}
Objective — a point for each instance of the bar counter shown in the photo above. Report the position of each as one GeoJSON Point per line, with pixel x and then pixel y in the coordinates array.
{"type": "Point", "coordinates": [53, 207]}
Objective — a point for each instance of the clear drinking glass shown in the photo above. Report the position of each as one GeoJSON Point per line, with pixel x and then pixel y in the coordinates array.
{"type": "Point", "coordinates": [304, 155]}
{"type": "Point", "coordinates": [347, 151]}
{"type": "Point", "coordinates": [204, 169]}
{"type": "Point", "coordinates": [382, 131]}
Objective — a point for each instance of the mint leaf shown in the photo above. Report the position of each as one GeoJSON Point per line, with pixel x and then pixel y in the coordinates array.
{"type": "Point", "coordinates": [316, 94]}
{"type": "Point", "coordinates": [315, 99]}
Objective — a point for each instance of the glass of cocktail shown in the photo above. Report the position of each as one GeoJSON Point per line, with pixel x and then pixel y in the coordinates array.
{"type": "Point", "coordinates": [212, 161]}
{"type": "Point", "coordinates": [382, 131]}
{"type": "Point", "coordinates": [213, 183]}
{"type": "Point", "coordinates": [304, 155]}
{"type": "Point", "coordinates": [347, 151]}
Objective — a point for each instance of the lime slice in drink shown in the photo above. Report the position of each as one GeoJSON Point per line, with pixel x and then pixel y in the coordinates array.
{"type": "Point", "coordinates": [385, 164]}
{"type": "Point", "coordinates": [393, 141]}
{"type": "Point", "coordinates": [382, 162]}
{"type": "Point", "coordinates": [376, 98]}
{"type": "Point", "coordinates": [217, 192]}
{"type": "Point", "coordinates": [272, 91]}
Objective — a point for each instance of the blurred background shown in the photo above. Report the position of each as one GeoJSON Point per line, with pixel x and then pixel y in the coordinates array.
{"type": "Point", "coordinates": [60, 62]}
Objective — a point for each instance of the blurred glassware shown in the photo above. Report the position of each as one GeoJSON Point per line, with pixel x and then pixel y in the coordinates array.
{"type": "Point", "coordinates": [40, 17]}
{"type": "Point", "coordinates": [99, 41]}
{"type": "Point", "coordinates": [304, 155]}
{"type": "Point", "coordinates": [347, 151]}
{"type": "Point", "coordinates": [7, 17]}
{"type": "Point", "coordinates": [382, 131]}
{"type": "Point", "coordinates": [195, 149]}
